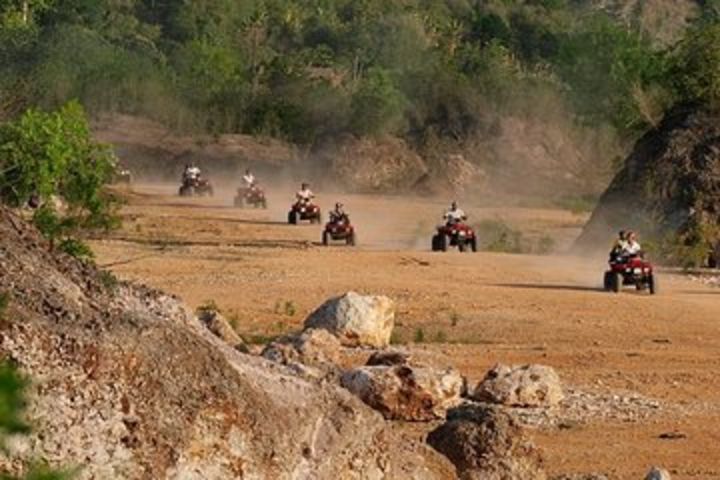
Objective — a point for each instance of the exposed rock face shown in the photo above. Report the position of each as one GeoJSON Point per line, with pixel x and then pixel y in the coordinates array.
{"type": "Point", "coordinates": [314, 348]}
{"type": "Point", "coordinates": [356, 319]}
{"type": "Point", "coordinates": [127, 383]}
{"type": "Point", "coordinates": [669, 184]}
{"type": "Point", "coordinates": [406, 393]}
{"type": "Point", "coordinates": [657, 473]}
{"type": "Point", "coordinates": [520, 386]}
{"type": "Point", "coordinates": [388, 358]}
{"type": "Point", "coordinates": [486, 444]}
{"type": "Point", "coordinates": [386, 165]}
{"type": "Point", "coordinates": [218, 325]}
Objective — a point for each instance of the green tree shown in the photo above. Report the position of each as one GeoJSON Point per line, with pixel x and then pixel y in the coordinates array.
{"type": "Point", "coordinates": [695, 71]}
{"type": "Point", "coordinates": [377, 106]}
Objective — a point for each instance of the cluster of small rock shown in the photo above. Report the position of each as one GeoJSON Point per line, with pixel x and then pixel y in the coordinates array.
{"type": "Point", "coordinates": [483, 431]}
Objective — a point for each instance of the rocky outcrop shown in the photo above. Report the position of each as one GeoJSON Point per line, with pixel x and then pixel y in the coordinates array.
{"type": "Point", "coordinates": [485, 443]}
{"type": "Point", "coordinates": [315, 348]}
{"type": "Point", "coordinates": [128, 383]}
{"type": "Point", "coordinates": [356, 319]}
{"type": "Point", "coordinates": [669, 185]}
{"type": "Point", "coordinates": [520, 386]}
{"type": "Point", "coordinates": [403, 392]}
{"type": "Point", "coordinates": [218, 325]}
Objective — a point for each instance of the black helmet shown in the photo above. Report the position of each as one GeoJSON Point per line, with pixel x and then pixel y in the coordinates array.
{"type": "Point", "coordinates": [621, 234]}
{"type": "Point", "coordinates": [305, 185]}
{"type": "Point", "coordinates": [338, 206]}
{"type": "Point", "coordinates": [454, 204]}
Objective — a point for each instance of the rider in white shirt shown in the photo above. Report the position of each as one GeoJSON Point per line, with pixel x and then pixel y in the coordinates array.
{"type": "Point", "coordinates": [249, 179]}
{"type": "Point", "coordinates": [454, 214]}
{"type": "Point", "coordinates": [304, 195]}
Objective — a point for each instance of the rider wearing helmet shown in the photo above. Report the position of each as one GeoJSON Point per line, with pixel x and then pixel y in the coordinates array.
{"type": "Point", "coordinates": [304, 195]}
{"type": "Point", "coordinates": [338, 214]}
{"type": "Point", "coordinates": [191, 172]}
{"type": "Point", "coordinates": [454, 214]}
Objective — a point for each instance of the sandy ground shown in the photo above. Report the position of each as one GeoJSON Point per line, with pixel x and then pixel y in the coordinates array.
{"type": "Point", "coordinates": [466, 310]}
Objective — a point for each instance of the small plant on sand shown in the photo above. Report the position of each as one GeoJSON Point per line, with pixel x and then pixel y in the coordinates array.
{"type": "Point", "coordinates": [208, 306]}
{"type": "Point", "coordinates": [419, 335]}
{"type": "Point", "coordinates": [285, 307]}
{"type": "Point", "coordinates": [454, 318]}
{"type": "Point", "coordinates": [440, 337]}
{"type": "Point", "coordinates": [396, 338]}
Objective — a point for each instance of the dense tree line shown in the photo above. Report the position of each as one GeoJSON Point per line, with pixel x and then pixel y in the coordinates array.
{"type": "Point", "coordinates": [305, 70]}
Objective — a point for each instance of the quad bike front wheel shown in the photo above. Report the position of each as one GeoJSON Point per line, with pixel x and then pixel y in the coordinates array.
{"type": "Point", "coordinates": [325, 239]}
{"type": "Point", "coordinates": [473, 244]}
{"type": "Point", "coordinates": [239, 202]}
{"type": "Point", "coordinates": [462, 246]}
{"type": "Point", "coordinates": [607, 281]}
{"type": "Point", "coordinates": [616, 282]}
{"type": "Point", "coordinates": [652, 284]}
{"type": "Point", "coordinates": [350, 240]}
{"type": "Point", "coordinates": [292, 217]}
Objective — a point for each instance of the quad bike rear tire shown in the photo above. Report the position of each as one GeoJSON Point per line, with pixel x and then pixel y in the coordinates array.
{"type": "Point", "coordinates": [263, 204]}
{"type": "Point", "coordinates": [473, 244]}
{"type": "Point", "coordinates": [616, 282]}
{"type": "Point", "coordinates": [239, 202]}
{"type": "Point", "coordinates": [325, 239]}
{"type": "Point", "coordinates": [292, 217]}
{"type": "Point", "coordinates": [350, 240]}
{"type": "Point", "coordinates": [652, 284]}
{"type": "Point", "coordinates": [186, 191]}
{"type": "Point", "coordinates": [435, 243]}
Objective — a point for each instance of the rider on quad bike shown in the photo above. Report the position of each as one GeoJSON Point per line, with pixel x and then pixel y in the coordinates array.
{"type": "Point", "coordinates": [339, 227]}
{"type": "Point", "coordinates": [193, 183]}
{"type": "Point", "coordinates": [454, 215]}
{"type": "Point", "coordinates": [303, 208]}
{"type": "Point", "coordinates": [629, 267]}
{"type": "Point", "coordinates": [249, 179]}
{"type": "Point", "coordinates": [455, 232]}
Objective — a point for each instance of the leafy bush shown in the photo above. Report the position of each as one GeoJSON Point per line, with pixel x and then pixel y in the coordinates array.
{"type": "Point", "coordinates": [52, 157]}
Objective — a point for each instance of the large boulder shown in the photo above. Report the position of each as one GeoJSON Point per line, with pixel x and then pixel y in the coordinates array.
{"type": "Point", "coordinates": [356, 319]}
{"type": "Point", "coordinates": [669, 186]}
{"type": "Point", "coordinates": [657, 473]}
{"type": "Point", "coordinates": [520, 386]}
{"type": "Point", "coordinates": [485, 443]}
{"type": "Point", "coordinates": [127, 383]}
{"type": "Point", "coordinates": [403, 392]}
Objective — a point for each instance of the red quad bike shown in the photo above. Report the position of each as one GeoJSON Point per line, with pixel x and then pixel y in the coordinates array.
{"type": "Point", "coordinates": [458, 235]}
{"type": "Point", "coordinates": [339, 230]}
{"type": "Point", "coordinates": [196, 187]}
{"type": "Point", "coordinates": [253, 196]}
{"type": "Point", "coordinates": [632, 270]}
{"type": "Point", "coordinates": [304, 211]}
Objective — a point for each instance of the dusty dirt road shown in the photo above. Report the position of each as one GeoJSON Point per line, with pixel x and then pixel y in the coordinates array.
{"type": "Point", "coordinates": [465, 310]}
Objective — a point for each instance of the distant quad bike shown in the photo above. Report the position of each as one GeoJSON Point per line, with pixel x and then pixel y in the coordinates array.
{"type": "Point", "coordinates": [632, 270]}
{"type": "Point", "coordinates": [458, 235]}
{"type": "Point", "coordinates": [339, 230]}
{"type": "Point", "coordinates": [302, 211]}
{"type": "Point", "coordinates": [250, 196]}
{"type": "Point", "coordinates": [122, 176]}
{"type": "Point", "coordinates": [192, 187]}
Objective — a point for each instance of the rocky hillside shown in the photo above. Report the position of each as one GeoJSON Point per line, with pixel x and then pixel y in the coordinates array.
{"type": "Point", "coordinates": [670, 184]}
{"type": "Point", "coordinates": [127, 383]}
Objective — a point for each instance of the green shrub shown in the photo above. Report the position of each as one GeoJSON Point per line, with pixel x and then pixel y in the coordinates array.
{"type": "Point", "coordinates": [497, 236]}
{"type": "Point", "coordinates": [545, 245]}
{"type": "Point", "coordinates": [4, 303]}
{"type": "Point", "coordinates": [419, 335]}
{"type": "Point", "coordinates": [51, 155]}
